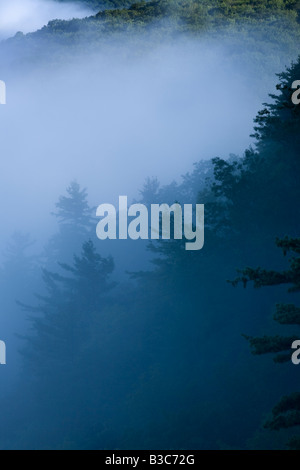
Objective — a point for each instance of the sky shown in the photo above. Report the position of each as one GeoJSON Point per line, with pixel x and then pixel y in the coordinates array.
{"type": "Point", "coordinates": [110, 124]}
{"type": "Point", "coordinates": [30, 15]}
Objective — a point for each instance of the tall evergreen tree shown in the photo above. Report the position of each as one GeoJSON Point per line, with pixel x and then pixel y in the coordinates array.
{"type": "Point", "coordinates": [73, 210]}
{"type": "Point", "coordinates": [63, 318]}
{"type": "Point", "coordinates": [76, 225]}
{"type": "Point", "coordinates": [286, 413]}
{"type": "Point", "coordinates": [256, 197]}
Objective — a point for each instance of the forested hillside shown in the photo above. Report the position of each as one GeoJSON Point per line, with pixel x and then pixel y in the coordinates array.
{"type": "Point", "coordinates": [98, 352]}
{"type": "Point", "coordinates": [100, 4]}
{"type": "Point", "coordinates": [109, 356]}
{"type": "Point", "coordinates": [182, 15]}
{"type": "Point", "coordinates": [265, 34]}
{"type": "Point", "coordinates": [168, 16]}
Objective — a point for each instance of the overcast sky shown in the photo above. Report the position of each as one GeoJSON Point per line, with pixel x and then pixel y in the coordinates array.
{"type": "Point", "coordinates": [30, 15]}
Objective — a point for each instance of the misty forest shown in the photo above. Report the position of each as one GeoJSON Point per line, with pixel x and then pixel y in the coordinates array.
{"type": "Point", "coordinates": [140, 344]}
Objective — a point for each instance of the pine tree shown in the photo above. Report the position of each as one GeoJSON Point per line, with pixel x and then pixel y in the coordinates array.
{"type": "Point", "coordinates": [63, 384]}
{"type": "Point", "coordinates": [286, 413]}
{"type": "Point", "coordinates": [281, 118]}
{"type": "Point", "coordinates": [62, 320]}
{"type": "Point", "coordinates": [76, 225]}
{"type": "Point", "coordinates": [73, 210]}
{"type": "Point", "coordinates": [254, 193]}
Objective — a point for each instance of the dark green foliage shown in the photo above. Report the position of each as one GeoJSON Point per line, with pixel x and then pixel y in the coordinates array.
{"type": "Point", "coordinates": [159, 362]}
{"type": "Point", "coordinates": [258, 29]}
{"type": "Point", "coordinates": [241, 223]}
{"type": "Point", "coordinates": [196, 14]}
{"type": "Point", "coordinates": [98, 5]}
{"type": "Point", "coordinates": [287, 314]}
{"type": "Point", "coordinates": [262, 189]}
{"type": "Point", "coordinates": [271, 344]}
{"type": "Point", "coordinates": [286, 414]}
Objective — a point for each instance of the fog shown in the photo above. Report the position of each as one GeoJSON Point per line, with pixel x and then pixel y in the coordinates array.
{"type": "Point", "coordinates": [110, 123]}
{"type": "Point", "coordinates": [30, 15]}
{"type": "Point", "coordinates": [133, 355]}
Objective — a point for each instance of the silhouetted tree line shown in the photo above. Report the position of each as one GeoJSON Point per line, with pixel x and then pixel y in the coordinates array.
{"type": "Point", "coordinates": [158, 360]}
